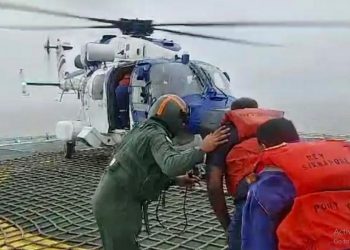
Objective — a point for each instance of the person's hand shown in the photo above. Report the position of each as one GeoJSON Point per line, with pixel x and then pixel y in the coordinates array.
{"type": "Point", "coordinates": [187, 181]}
{"type": "Point", "coordinates": [213, 140]}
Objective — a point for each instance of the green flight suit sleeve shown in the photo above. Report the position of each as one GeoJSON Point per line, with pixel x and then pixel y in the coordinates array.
{"type": "Point", "coordinates": [171, 161]}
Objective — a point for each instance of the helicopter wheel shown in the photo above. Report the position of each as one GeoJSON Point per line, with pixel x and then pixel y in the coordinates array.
{"type": "Point", "coordinates": [69, 149]}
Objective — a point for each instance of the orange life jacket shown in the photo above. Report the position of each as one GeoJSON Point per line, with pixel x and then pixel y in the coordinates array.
{"type": "Point", "coordinates": [241, 159]}
{"type": "Point", "coordinates": [320, 216]}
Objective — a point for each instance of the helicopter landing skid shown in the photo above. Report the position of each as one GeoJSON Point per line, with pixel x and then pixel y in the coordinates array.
{"type": "Point", "coordinates": [69, 149]}
{"type": "Point", "coordinates": [91, 137]}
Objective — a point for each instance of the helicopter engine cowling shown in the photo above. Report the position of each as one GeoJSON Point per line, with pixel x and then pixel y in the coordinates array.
{"type": "Point", "coordinates": [96, 52]}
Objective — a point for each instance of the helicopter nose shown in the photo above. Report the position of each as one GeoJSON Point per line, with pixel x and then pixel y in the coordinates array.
{"type": "Point", "coordinates": [211, 120]}
{"type": "Point", "coordinates": [206, 115]}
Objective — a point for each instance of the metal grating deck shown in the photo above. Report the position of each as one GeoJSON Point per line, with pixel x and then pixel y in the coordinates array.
{"type": "Point", "coordinates": [45, 204]}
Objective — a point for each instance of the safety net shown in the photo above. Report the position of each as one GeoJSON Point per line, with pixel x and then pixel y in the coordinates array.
{"type": "Point", "coordinates": [45, 203]}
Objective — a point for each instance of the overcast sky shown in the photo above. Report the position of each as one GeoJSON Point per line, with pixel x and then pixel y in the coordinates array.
{"type": "Point", "coordinates": [308, 77]}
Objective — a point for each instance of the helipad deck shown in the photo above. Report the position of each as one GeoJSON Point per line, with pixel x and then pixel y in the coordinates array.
{"type": "Point", "coordinates": [45, 204]}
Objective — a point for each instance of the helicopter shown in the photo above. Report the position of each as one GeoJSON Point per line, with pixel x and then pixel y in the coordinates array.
{"type": "Point", "coordinates": [156, 67]}
{"type": "Point", "coordinates": [201, 85]}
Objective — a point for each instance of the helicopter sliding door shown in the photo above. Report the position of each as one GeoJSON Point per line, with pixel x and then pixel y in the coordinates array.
{"type": "Point", "coordinates": [113, 79]}
{"type": "Point", "coordinates": [96, 100]}
{"type": "Point", "coordinates": [140, 103]}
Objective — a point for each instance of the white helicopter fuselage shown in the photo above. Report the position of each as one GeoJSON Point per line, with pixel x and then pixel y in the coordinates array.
{"type": "Point", "coordinates": [93, 126]}
{"type": "Point", "coordinates": [125, 48]}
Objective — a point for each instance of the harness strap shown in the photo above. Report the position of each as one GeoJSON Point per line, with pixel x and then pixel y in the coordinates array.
{"type": "Point", "coordinates": [145, 216]}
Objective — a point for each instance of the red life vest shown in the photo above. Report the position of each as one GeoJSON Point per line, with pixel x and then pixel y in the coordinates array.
{"type": "Point", "coordinates": [320, 216]}
{"type": "Point", "coordinates": [241, 160]}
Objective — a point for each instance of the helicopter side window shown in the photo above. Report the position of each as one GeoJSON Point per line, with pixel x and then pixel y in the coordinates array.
{"type": "Point", "coordinates": [220, 80]}
{"type": "Point", "coordinates": [97, 87]}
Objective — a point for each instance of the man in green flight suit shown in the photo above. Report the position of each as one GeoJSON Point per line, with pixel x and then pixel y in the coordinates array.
{"type": "Point", "coordinates": [144, 164]}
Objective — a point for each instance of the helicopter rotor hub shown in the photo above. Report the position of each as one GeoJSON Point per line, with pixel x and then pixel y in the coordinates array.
{"type": "Point", "coordinates": [136, 27]}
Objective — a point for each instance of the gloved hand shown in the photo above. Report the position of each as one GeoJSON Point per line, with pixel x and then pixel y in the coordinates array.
{"type": "Point", "coordinates": [186, 180]}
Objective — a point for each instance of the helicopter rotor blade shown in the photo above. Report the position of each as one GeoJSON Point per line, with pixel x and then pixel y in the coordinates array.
{"type": "Point", "coordinates": [232, 40]}
{"type": "Point", "coordinates": [269, 24]}
{"type": "Point", "coordinates": [19, 27]}
{"type": "Point", "coordinates": [32, 9]}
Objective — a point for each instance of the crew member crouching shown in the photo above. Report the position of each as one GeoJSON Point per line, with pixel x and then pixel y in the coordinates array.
{"type": "Point", "coordinates": [302, 197]}
{"type": "Point", "coordinates": [236, 160]}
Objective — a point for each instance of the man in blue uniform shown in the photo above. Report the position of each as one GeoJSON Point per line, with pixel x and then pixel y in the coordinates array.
{"type": "Point", "coordinates": [272, 195]}
{"type": "Point", "coordinates": [122, 102]}
{"type": "Point", "coordinates": [216, 162]}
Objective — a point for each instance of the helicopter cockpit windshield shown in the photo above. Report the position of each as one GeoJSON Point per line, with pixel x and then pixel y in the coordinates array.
{"type": "Point", "coordinates": [173, 78]}
{"type": "Point", "coordinates": [217, 77]}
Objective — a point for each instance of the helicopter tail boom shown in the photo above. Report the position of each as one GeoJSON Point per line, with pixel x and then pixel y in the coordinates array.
{"type": "Point", "coordinates": [25, 84]}
{"type": "Point", "coordinates": [66, 80]}
{"type": "Point", "coordinates": [35, 83]}
{"type": "Point", "coordinates": [56, 84]}
{"type": "Point", "coordinates": [66, 85]}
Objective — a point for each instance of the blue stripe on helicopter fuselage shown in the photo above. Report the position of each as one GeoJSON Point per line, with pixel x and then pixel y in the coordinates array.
{"type": "Point", "coordinates": [199, 105]}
